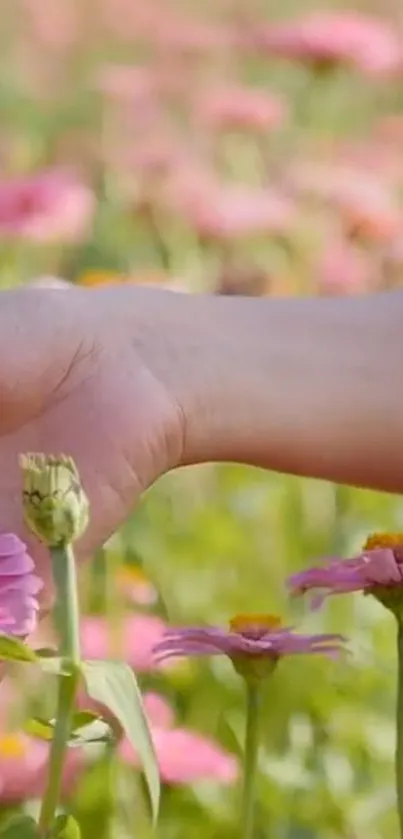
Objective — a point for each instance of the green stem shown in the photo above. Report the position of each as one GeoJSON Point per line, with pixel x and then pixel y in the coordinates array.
{"type": "Point", "coordinates": [67, 618]}
{"type": "Point", "coordinates": [250, 760]}
{"type": "Point", "coordinates": [399, 728]}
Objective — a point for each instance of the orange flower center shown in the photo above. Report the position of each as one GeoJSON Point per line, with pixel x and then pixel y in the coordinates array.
{"type": "Point", "coordinates": [393, 541]}
{"type": "Point", "coordinates": [12, 746]}
{"type": "Point", "coordinates": [254, 626]}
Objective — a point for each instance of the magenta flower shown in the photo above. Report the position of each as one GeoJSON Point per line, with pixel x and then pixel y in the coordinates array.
{"type": "Point", "coordinates": [378, 570]}
{"type": "Point", "coordinates": [253, 643]}
{"type": "Point", "coordinates": [19, 587]}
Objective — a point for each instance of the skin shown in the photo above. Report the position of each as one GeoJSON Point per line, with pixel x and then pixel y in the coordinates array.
{"type": "Point", "coordinates": [134, 382]}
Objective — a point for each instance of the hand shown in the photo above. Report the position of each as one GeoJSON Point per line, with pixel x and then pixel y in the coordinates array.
{"type": "Point", "coordinates": [75, 378]}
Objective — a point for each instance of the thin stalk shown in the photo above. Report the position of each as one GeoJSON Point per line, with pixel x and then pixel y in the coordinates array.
{"type": "Point", "coordinates": [67, 618]}
{"type": "Point", "coordinates": [399, 728]}
{"type": "Point", "coordinates": [250, 760]}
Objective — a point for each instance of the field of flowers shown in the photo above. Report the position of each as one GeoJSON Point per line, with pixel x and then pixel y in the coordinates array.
{"type": "Point", "coordinates": [240, 148]}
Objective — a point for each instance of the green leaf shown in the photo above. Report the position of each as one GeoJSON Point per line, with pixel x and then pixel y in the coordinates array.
{"type": "Point", "coordinates": [46, 652]}
{"type": "Point", "coordinates": [97, 731]}
{"type": "Point", "coordinates": [12, 649]}
{"type": "Point", "coordinates": [38, 727]}
{"type": "Point", "coordinates": [86, 727]}
{"type": "Point", "coordinates": [66, 827]}
{"type": "Point", "coordinates": [54, 665]}
{"type": "Point", "coordinates": [19, 827]}
{"type": "Point", "coordinates": [83, 718]}
{"type": "Point", "coordinates": [114, 684]}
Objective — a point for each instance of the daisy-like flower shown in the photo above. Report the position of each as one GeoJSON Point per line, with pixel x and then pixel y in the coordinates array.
{"type": "Point", "coordinates": [377, 570]}
{"type": "Point", "coordinates": [19, 587]}
{"type": "Point", "coordinates": [254, 643]}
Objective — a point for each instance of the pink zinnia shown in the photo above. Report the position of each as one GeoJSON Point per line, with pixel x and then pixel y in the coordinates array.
{"type": "Point", "coordinates": [184, 756]}
{"type": "Point", "coordinates": [378, 570]}
{"type": "Point", "coordinates": [242, 108]}
{"type": "Point", "coordinates": [24, 766]}
{"type": "Point", "coordinates": [50, 206]}
{"type": "Point", "coordinates": [133, 641]}
{"type": "Point", "coordinates": [327, 38]}
{"type": "Point", "coordinates": [19, 587]}
{"type": "Point", "coordinates": [218, 211]}
{"type": "Point", "coordinates": [251, 640]}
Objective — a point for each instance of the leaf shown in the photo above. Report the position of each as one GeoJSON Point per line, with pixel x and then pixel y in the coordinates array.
{"type": "Point", "coordinates": [12, 649]}
{"type": "Point", "coordinates": [66, 827]}
{"type": "Point", "coordinates": [114, 684]}
{"type": "Point", "coordinates": [97, 731]}
{"type": "Point", "coordinates": [54, 665]}
{"type": "Point", "coordinates": [38, 727]}
{"type": "Point", "coordinates": [86, 727]}
{"type": "Point", "coordinates": [83, 718]}
{"type": "Point", "coordinates": [19, 827]}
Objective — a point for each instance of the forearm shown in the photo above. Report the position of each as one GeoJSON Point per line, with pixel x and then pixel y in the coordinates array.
{"type": "Point", "coordinates": [308, 386]}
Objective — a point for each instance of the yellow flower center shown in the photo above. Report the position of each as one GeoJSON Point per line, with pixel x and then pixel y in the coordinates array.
{"type": "Point", "coordinates": [393, 541]}
{"type": "Point", "coordinates": [12, 746]}
{"type": "Point", "coordinates": [254, 625]}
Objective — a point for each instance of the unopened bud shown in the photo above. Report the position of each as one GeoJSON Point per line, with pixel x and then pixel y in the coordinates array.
{"type": "Point", "coordinates": [55, 505]}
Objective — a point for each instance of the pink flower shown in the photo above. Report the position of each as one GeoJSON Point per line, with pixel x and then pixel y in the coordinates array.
{"type": "Point", "coordinates": [51, 206]}
{"type": "Point", "coordinates": [242, 108]}
{"type": "Point", "coordinates": [378, 568]}
{"type": "Point", "coordinates": [135, 586]}
{"type": "Point", "coordinates": [229, 212]}
{"type": "Point", "coordinates": [251, 638]}
{"type": "Point", "coordinates": [133, 641]}
{"type": "Point", "coordinates": [368, 207]}
{"type": "Point", "coordinates": [327, 38]}
{"type": "Point", "coordinates": [19, 587]}
{"type": "Point", "coordinates": [184, 756]}
{"type": "Point", "coordinates": [24, 766]}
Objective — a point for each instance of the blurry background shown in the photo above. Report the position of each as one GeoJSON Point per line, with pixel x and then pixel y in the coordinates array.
{"type": "Point", "coordinates": [239, 147]}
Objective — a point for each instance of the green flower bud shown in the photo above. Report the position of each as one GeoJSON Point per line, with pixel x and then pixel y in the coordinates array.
{"type": "Point", "coordinates": [55, 505]}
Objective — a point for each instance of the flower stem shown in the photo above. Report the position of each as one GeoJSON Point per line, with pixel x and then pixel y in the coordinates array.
{"type": "Point", "coordinates": [250, 760]}
{"type": "Point", "coordinates": [399, 727]}
{"type": "Point", "coordinates": [67, 618]}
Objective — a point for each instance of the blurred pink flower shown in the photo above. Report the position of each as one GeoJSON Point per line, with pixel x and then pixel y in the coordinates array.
{"type": "Point", "coordinates": [229, 211]}
{"type": "Point", "coordinates": [326, 38]}
{"type": "Point", "coordinates": [184, 756]}
{"type": "Point", "coordinates": [134, 585]}
{"type": "Point", "coordinates": [343, 268]}
{"type": "Point", "coordinates": [367, 204]}
{"type": "Point", "coordinates": [24, 766]}
{"type": "Point", "coordinates": [378, 568]}
{"type": "Point", "coordinates": [133, 641]}
{"type": "Point", "coordinates": [251, 638]}
{"type": "Point", "coordinates": [51, 23]}
{"type": "Point", "coordinates": [243, 108]}
{"type": "Point", "coordinates": [49, 206]}
{"type": "Point", "coordinates": [159, 712]}
{"type": "Point", "coordinates": [19, 587]}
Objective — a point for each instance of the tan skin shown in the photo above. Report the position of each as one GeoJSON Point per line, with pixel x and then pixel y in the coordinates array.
{"type": "Point", "coordinates": [134, 382]}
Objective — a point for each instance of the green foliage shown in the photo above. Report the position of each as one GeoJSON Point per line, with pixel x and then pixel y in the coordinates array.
{"type": "Point", "coordinates": [19, 827]}
{"type": "Point", "coordinates": [114, 685]}
{"type": "Point", "coordinates": [13, 649]}
{"type": "Point", "coordinates": [66, 827]}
